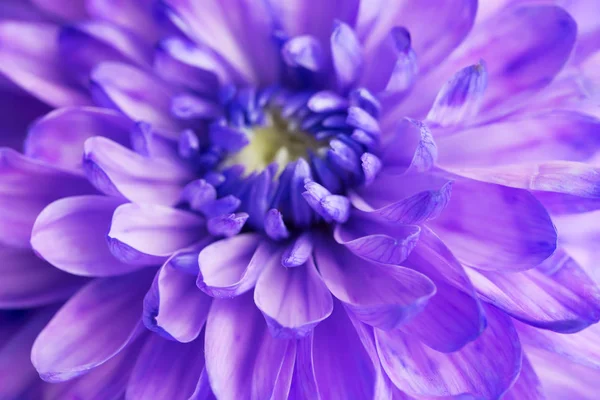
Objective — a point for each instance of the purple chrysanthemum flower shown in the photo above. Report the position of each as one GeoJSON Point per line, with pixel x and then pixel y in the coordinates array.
{"type": "Point", "coordinates": [269, 199]}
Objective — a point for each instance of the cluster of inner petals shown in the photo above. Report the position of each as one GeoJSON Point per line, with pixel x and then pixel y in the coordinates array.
{"type": "Point", "coordinates": [277, 160]}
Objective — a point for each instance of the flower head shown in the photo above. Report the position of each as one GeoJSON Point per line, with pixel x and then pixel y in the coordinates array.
{"type": "Point", "coordinates": [267, 199]}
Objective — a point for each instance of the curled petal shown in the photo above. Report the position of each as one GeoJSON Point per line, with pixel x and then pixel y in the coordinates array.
{"type": "Point", "coordinates": [116, 170]}
{"type": "Point", "coordinates": [148, 234]}
{"type": "Point", "coordinates": [384, 296]}
{"type": "Point", "coordinates": [71, 235]}
{"type": "Point", "coordinates": [293, 300]}
{"type": "Point", "coordinates": [385, 244]}
{"type": "Point", "coordinates": [174, 307]}
{"type": "Point", "coordinates": [230, 267]}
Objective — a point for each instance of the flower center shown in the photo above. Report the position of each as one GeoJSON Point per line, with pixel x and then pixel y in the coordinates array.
{"type": "Point", "coordinates": [279, 141]}
{"type": "Point", "coordinates": [279, 160]}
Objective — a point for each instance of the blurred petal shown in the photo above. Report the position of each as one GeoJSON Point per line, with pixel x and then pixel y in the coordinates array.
{"type": "Point", "coordinates": [59, 136]}
{"type": "Point", "coordinates": [139, 95]}
{"type": "Point", "coordinates": [134, 15]}
{"type": "Point", "coordinates": [28, 281]}
{"type": "Point", "coordinates": [447, 24]}
{"type": "Point", "coordinates": [102, 319]}
{"type": "Point", "coordinates": [26, 187]}
{"type": "Point", "coordinates": [29, 57]}
{"type": "Point", "coordinates": [116, 170]}
{"type": "Point", "coordinates": [547, 136]}
{"type": "Point", "coordinates": [18, 330]}
{"type": "Point", "coordinates": [66, 9]}
{"type": "Point", "coordinates": [250, 47]}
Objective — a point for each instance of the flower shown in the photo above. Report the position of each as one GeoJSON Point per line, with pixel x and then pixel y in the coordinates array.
{"type": "Point", "coordinates": [266, 199]}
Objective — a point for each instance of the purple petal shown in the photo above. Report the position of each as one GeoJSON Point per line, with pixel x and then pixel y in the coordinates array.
{"type": "Point", "coordinates": [27, 281]}
{"type": "Point", "coordinates": [420, 371]}
{"type": "Point", "coordinates": [546, 136]}
{"type": "Point", "coordinates": [26, 187]}
{"type": "Point", "coordinates": [29, 57]}
{"type": "Point", "coordinates": [236, 334]}
{"type": "Point", "coordinates": [71, 235]}
{"type": "Point", "coordinates": [528, 385]}
{"type": "Point", "coordinates": [231, 139]}
{"type": "Point", "coordinates": [192, 65]}
{"type": "Point", "coordinates": [116, 170]}
{"type": "Point", "coordinates": [298, 251]}
{"type": "Point", "coordinates": [582, 347]}
{"type": "Point", "coordinates": [293, 300]}
{"type": "Point", "coordinates": [134, 15]}
{"type": "Point", "coordinates": [226, 225]}
{"type": "Point", "coordinates": [379, 243]}
{"type": "Point", "coordinates": [174, 306]}
{"type": "Point", "coordinates": [166, 370]}
{"type": "Point", "coordinates": [65, 9]}
{"type": "Point", "coordinates": [230, 267]}
{"type": "Point", "coordinates": [275, 226]}
{"type": "Point", "coordinates": [303, 51]}
{"type": "Point", "coordinates": [405, 199]}
{"type": "Point", "coordinates": [461, 97]}
{"type": "Point", "coordinates": [249, 47]}
{"type": "Point", "coordinates": [107, 381]}
{"type": "Point", "coordinates": [145, 234]}
{"type": "Point", "coordinates": [384, 296]}
{"type": "Point", "coordinates": [347, 55]}
{"type": "Point", "coordinates": [22, 108]}
{"type": "Point", "coordinates": [493, 227]}
{"type": "Point", "coordinates": [298, 17]}
{"type": "Point", "coordinates": [569, 381]}
{"type": "Point", "coordinates": [557, 295]}
{"type": "Point", "coordinates": [136, 93]}
{"type": "Point", "coordinates": [58, 137]}
{"type": "Point", "coordinates": [571, 178]}
{"type": "Point", "coordinates": [102, 319]}
{"type": "Point", "coordinates": [326, 101]}
{"type": "Point", "coordinates": [453, 317]}
{"type": "Point", "coordinates": [447, 24]}
{"type": "Point", "coordinates": [391, 66]}
{"type": "Point", "coordinates": [340, 373]}
{"type": "Point", "coordinates": [411, 149]}
{"type": "Point", "coordinates": [85, 45]}
{"type": "Point", "coordinates": [18, 331]}
{"type": "Point", "coordinates": [524, 48]}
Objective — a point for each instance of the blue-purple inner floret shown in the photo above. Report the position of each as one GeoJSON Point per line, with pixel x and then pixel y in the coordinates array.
{"type": "Point", "coordinates": [334, 143]}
